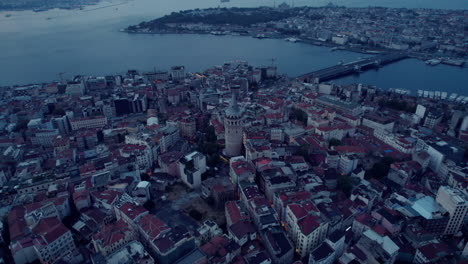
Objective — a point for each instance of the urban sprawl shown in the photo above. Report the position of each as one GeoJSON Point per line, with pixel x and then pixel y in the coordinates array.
{"type": "Point", "coordinates": [437, 36]}
{"type": "Point", "coordinates": [236, 164]}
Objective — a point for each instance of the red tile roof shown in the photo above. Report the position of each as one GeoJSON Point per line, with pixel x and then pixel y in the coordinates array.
{"type": "Point", "coordinates": [298, 211]}
{"type": "Point", "coordinates": [50, 229]}
{"type": "Point", "coordinates": [233, 211]}
{"type": "Point", "coordinates": [113, 233]}
{"type": "Point", "coordinates": [308, 224]}
{"type": "Point", "coordinates": [132, 211]}
{"type": "Point", "coordinates": [152, 226]}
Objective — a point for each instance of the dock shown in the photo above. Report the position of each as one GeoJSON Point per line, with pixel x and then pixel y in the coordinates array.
{"type": "Point", "coordinates": [358, 66]}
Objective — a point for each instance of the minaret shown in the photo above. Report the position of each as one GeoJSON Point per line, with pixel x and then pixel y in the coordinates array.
{"type": "Point", "coordinates": [233, 126]}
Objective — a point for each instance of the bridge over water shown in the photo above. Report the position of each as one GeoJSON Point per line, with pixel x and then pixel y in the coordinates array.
{"type": "Point", "coordinates": [340, 70]}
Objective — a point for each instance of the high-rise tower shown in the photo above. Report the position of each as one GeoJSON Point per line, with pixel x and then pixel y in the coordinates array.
{"type": "Point", "coordinates": [456, 204]}
{"type": "Point", "coordinates": [233, 126]}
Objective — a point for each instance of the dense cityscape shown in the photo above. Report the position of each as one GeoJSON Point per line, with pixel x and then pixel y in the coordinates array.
{"type": "Point", "coordinates": [236, 164]}
{"type": "Point", "coordinates": [427, 33]}
{"type": "Point", "coordinates": [43, 5]}
{"type": "Point", "coordinates": [240, 163]}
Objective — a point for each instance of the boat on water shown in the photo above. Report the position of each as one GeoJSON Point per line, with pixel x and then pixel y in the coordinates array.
{"type": "Point", "coordinates": [40, 9]}
{"type": "Point", "coordinates": [453, 96]}
{"type": "Point", "coordinates": [420, 93]}
{"type": "Point", "coordinates": [8, 15]}
{"type": "Point", "coordinates": [292, 39]}
{"type": "Point", "coordinates": [217, 33]}
{"type": "Point", "coordinates": [260, 36]}
{"type": "Point", "coordinates": [373, 52]}
{"type": "Point", "coordinates": [433, 62]}
{"type": "Point", "coordinates": [454, 62]}
{"type": "Point", "coordinates": [443, 95]}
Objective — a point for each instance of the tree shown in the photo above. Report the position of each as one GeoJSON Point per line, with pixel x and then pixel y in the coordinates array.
{"type": "Point", "coordinates": [213, 160]}
{"type": "Point", "coordinates": [100, 136]}
{"type": "Point", "coordinates": [335, 142]}
{"type": "Point", "coordinates": [299, 115]}
{"type": "Point", "coordinates": [210, 134]}
{"type": "Point", "coordinates": [149, 205]}
{"type": "Point", "coordinates": [344, 184]}
{"type": "Point", "coordinates": [21, 125]}
{"type": "Point", "coordinates": [303, 151]}
{"type": "Point", "coordinates": [58, 112]}
{"type": "Point", "coordinates": [400, 105]}
{"type": "Point", "coordinates": [196, 215]}
{"type": "Point", "coordinates": [208, 147]}
{"type": "Point", "coordinates": [144, 177]}
{"type": "Point", "coordinates": [6, 232]}
{"type": "Point", "coordinates": [466, 153]}
{"type": "Point", "coordinates": [380, 169]}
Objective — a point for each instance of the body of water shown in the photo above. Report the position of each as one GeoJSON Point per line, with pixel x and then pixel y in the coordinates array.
{"type": "Point", "coordinates": [36, 47]}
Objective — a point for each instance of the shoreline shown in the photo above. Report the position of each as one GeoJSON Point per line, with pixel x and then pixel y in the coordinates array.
{"type": "Point", "coordinates": [317, 43]}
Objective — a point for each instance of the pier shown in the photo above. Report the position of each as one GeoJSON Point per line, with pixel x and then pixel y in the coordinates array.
{"type": "Point", "coordinates": [351, 67]}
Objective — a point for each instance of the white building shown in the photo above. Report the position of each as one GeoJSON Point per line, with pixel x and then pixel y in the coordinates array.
{"type": "Point", "coordinates": [433, 119]}
{"type": "Point", "coordinates": [348, 163]}
{"type": "Point", "coordinates": [75, 88]}
{"type": "Point", "coordinates": [304, 228]}
{"type": "Point", "coordinates": [456, 204]}
{"type": "Point", "coordinates": [191, 167]}
{"type": "Point", "coordinates": [143, 154]}
{"type": "Point", "coordinates": [142, 191]}
{"type": "Point", "coordinates": [53, 241]}
{"type": "Point", "coordinates": [241, 170]}
{"type": "Point", "coordinates": [177, 73]}
{"type": "Point", "coordinates": [420, 111]}
{"type": "Point", "coordinates": [44, 137]}
{"type": "Point", "coordinates": [88, 122]}
{"type": "Point", "coordinates": [378, 122]}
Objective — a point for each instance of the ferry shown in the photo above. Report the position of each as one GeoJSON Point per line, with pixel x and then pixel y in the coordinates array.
{"type": "Point", "coordinates": [453, 96]}
{"type": "Point", "coordinates": [217, 33]}
{"type": "Point", "coordinates": [454, 62]}
{"type": "Point", "coordinates": [433, 62]}
{"type": "Point", "coordinates": [373, 52]}
{"type": "Point", "coordinates": [420, 93]}
{"type": "Point", "coordinates": [443, 96]}
{"type": "Point", "coordinates": [292, 39]}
